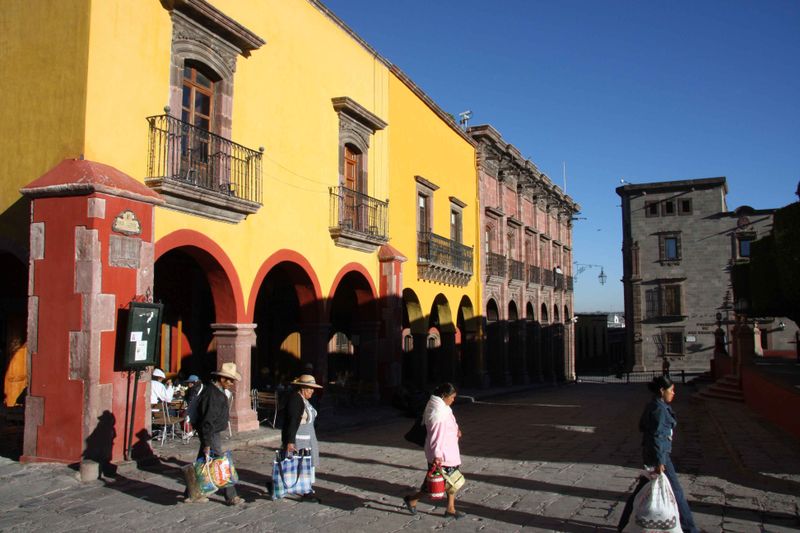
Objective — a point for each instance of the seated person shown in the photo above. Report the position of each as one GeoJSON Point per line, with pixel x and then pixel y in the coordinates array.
{"type": "Point", "coordinates": [161, 391]}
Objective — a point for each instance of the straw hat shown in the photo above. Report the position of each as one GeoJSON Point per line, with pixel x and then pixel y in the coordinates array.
{"type": "Point", "coordinates": [306, 380]}
{"type": "Point", "coordinates": [228, 370]}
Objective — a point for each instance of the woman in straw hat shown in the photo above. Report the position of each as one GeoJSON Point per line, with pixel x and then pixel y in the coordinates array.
{"type": "Point", "coordinates": [298, 427]}
{"type": "Point", "coordinates": [212, 419]}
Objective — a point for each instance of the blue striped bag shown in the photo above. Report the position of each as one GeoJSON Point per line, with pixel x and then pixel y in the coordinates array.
{"type": "Point", "coordinates": [292, 474]}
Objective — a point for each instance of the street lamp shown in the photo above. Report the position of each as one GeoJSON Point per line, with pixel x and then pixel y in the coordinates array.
{"type": "Point", "coordinates": [581, 267]}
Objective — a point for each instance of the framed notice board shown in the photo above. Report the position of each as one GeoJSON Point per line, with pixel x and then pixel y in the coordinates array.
{"type": "Point", "coordinates": [143, 336]}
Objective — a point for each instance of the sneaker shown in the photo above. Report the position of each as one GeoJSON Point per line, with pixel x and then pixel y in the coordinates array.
{"type": "Point", "coordinates": [199, 499]}
{"type": "Point", "coordinates": [237, 500]}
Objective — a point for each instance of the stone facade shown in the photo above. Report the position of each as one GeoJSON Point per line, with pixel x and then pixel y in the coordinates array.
{"type": "Point", "coordinates": [526, 266]}
{"type": "Point", "coordinates": [679, 241]}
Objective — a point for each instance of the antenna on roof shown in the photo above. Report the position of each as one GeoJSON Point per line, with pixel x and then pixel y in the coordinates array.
{"type": "Point", "coordinates": [464, 117]}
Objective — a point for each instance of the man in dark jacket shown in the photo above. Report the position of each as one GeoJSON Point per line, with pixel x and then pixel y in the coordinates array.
{"type": "Point", "coordinates": [212, 419]}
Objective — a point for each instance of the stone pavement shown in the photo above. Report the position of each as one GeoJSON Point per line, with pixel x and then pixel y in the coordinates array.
{"type": "Point", "coordinates": [549, 459]}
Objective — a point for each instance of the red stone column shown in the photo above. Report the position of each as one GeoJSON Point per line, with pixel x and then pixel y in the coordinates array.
{"type": "Point", "coordinates": [91, 253]}
{"type": "Point", "coordinates": [234, 345]}
{"type": "Point", "coordinates": [390, 356]}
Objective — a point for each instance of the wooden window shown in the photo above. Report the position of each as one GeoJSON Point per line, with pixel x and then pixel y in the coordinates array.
{"type": "Point", "coordinates": [197, 109]}
{"type": "Point", "coordinates": [352, 160]}
{"type": "Point", "coordinates": [685, 206]}
{"type": "Point", "coordinates": [424, 213]}
{"type": "Point", "coordinates": [455, 225]}
{"type": "Point", "coordinates": [355, 215]}
{"type": "Point", "coordinates": [669, 247]}
{"type": "Point", "coordinates": [543, 262]}
{"type": "Point", "coordinates": [673, 342]}
{"type": "Point", "coordinates": [744, 246]}
{"type": "Point", "coordinates": [198, 98]}
{"type": "Point", "coordinates": [651, 208]}
{"type": "Point", "coordinates": [672, 300]}
{"type": "Point", "coordinates": [651, 303]}
{"type": "Point", "coordinates": [668, 208]}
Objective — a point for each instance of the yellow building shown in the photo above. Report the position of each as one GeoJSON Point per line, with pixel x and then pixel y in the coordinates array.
{"type": "Point", "coordinates": [313, 207]}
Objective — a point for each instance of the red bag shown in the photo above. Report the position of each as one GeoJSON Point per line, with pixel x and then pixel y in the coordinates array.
{"type": "Point", "coordinates": [435, 484]}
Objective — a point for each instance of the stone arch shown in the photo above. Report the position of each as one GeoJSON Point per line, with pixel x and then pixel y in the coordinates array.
{"type": "Point", "coordinates": [286, 306]}
{"type": "Point", "coordinates": [529, 313]}
{"type": "Point", "coordinates": [222, 277]}
{"type": "Point", "coordinates": [198, 285]}
{"type": "Point", "coordinates": [413, 317]}
{"type": "Point", "coordinates": [513, 314]}
{"type": "Point", "coordinates": [492, 312]}
{"type": "Point", "coordinates": [543, 316]}
{"type": "Point", "coordinates": [309, 293]}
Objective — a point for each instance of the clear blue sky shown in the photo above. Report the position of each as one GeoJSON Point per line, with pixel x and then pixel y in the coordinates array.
{"type": "Point", "coordinates": [640, 90]}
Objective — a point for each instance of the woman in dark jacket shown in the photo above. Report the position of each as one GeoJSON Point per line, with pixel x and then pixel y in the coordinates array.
{"type": "Point", "coordinates": [298, 427]}
{"type": "Point", "coordinates": [657, 425]}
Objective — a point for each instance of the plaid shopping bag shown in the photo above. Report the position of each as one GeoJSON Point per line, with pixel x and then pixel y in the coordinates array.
{"type": "Point", "coordinates": [292, 474]}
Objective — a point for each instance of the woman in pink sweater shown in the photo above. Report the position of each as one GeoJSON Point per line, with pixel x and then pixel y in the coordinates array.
{"type": "Point", "coordinates": [441, 444]}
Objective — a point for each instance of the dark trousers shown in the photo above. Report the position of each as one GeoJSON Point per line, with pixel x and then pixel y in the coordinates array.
{"type": "Point", "coordinates": [687, 520]}
{"type": "Point", "coordinates": [216, 451]}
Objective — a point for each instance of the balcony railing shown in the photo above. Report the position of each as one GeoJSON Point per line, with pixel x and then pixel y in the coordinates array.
{"type": "Point", "coordinates": [516, 269]}
{"type": "Point", "coordinates": [437, 250]}
{"type": "Point", "coordinates": [193, 157]}
{"type": "Point", "coordinates": [559, 281]}
{"type": "Point", "coordinates": [547, 277]}
{"type": "Point", "coordinates": [534, 274]}
{"type": "Point", "coordinates": [495, 265]}
{"type": "Point", "coordinates": [355, 215]}
{"type": "Point", "coordinates": [570, 283]}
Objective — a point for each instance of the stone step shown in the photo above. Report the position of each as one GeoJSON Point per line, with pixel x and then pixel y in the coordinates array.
{"type": "Point", "coordinates": [722, 394]}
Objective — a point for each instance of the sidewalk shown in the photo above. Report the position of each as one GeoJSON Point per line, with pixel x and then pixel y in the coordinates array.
{"type": "Point", "coordinates": [331, 420]}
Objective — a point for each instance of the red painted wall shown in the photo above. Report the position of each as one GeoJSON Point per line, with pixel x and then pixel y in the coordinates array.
{"type": "Point", "coordinates": [771, 400]}
{"type": "Point", "coordinates": [60, 435]}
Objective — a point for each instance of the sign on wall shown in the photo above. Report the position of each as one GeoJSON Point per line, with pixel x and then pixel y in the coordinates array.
{"type": "Point", "coordinates": [143, 335]}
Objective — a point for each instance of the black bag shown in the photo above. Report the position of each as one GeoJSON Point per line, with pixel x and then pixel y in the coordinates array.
{"type": "Point", "coordinates": [417, 433]}
{"type": "Point", "coordinates": [191, 409]}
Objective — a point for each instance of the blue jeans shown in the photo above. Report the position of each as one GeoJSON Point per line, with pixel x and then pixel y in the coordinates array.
{"type": "Point", "coordinates": [687, 520]}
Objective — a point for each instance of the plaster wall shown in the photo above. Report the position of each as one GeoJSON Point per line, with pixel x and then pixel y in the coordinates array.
{"type": "Point", "coordinates": [422, 144]}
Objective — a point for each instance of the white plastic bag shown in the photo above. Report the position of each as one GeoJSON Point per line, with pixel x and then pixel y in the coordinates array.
{"type": "Point", "coordinates": [655, 509]}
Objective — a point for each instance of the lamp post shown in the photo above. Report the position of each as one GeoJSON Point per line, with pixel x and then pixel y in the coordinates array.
{"type": "Point", "coordinates": [582, 267]}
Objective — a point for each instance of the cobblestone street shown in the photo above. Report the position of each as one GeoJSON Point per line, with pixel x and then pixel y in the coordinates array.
{"type": "Point", "coordinates": [552, 459]}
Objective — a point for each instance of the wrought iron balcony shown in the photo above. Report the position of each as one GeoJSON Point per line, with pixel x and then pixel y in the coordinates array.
{"type": "Point", "coordinates": [516, 269]}
{"type": "Point", "coordinates": [356, 220]}
{"type": "Point", "coordinates": [495, 265]}
{"type": "Point", "coordinates": [202, 173]}
{"type": "Point", "coordinates": [534, 274]}
{"type": "Point", "coordinates": [443, 260]}
{"type": "Point", "coordinates": [547, 277]}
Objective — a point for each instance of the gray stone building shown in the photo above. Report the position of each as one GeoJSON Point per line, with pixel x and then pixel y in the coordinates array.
{"type": "Point", "coordinates": [679, 241]}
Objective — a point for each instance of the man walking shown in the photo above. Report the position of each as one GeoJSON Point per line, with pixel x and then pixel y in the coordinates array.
{"type": "Point", "coordinates": [212, 419]}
